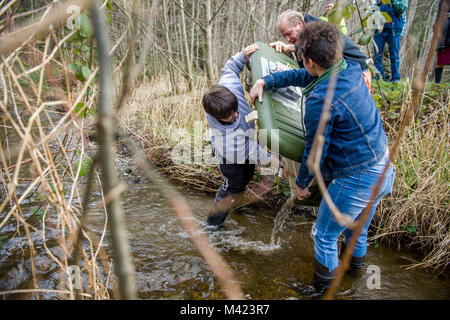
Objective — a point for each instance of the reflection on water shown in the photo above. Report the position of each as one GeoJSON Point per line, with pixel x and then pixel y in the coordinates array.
{"type": "Point", "coordinates": [168, 266]}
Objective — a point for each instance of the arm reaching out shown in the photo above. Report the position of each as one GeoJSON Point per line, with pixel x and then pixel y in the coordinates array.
{"type": "Point", "coordinates": [282, 47]}
{"type": "Point", "coordinates": [257, 90]}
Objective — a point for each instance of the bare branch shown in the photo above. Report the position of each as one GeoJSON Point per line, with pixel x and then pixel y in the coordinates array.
{"type": "Point", "coordinates": [105, 127]}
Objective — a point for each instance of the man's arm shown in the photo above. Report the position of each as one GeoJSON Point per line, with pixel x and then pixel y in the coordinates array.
{"type": "Point", "coordinates": [282, 47]}
{"type": "Point", "coordinates": [295, 77]}
{"type": "Point", "coordinates": [312, 117]}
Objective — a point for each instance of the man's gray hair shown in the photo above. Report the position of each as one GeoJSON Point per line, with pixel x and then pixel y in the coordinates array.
{"type": "Point", "coordinates": [292, 16]}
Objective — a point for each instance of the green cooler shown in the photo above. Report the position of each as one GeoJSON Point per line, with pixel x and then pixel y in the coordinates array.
{"type": "Point", "coordinates": [281, 114]}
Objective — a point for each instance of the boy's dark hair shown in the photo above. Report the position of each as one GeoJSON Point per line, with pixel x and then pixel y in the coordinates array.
{"type": "Point", "coordinates": [322, 43]}
{"type": "Point", "coordinates": [219, 102]}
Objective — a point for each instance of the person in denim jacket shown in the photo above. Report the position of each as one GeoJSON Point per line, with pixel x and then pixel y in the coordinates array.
{"type": "Point", "coordinates": [392, 34]}
{"type": "Point", "coordinates": [355, 148]}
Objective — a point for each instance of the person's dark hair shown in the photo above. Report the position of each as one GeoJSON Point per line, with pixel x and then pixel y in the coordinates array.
{"type": "Point", "coordinates": [322, 43]}
{"type": "Point", "coordinates": [219, 102]}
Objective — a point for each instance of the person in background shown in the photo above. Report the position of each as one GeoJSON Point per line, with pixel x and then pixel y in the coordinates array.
{"type": "Point", "coordinates": [291, 23]}
{"type": "Point", "coordinates": [355, 150]}
{"type": "Point", "coordinates": [342, 26]}
{"type": "Point", "coordinates": [391, 34]}
{"type": "Point", "coordinates": [443, 53]}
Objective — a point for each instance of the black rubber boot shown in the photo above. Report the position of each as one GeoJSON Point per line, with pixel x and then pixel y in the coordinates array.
{"type": "Point", "coordinates": [438, 75]}
{"type": "Point", "coordinates": [219, 212]}
{"type": "Point", "coordinates": [356, 263]}
{"type": "Point", "coordinates": [216, 218]}
{"type": "Point", "coordinates": [322, 277]}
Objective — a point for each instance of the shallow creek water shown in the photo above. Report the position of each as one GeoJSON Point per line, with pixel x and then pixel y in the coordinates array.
{"type": "Point", "coordinates": [168, 265]}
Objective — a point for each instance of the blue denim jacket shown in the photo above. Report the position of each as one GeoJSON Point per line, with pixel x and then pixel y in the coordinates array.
{"type": "Point", "coordinates": [354, 135]}
{"type": "Point", "coordinates": [398, 19]}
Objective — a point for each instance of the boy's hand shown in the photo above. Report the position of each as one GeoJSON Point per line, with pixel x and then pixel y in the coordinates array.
{"type": "Point", "coordinates": [250, 50]}
{"type": "Point", "coordinates": [282, 47]}
{"type": "Point", "coordinates": [302, 193]}
{"type": "Point", "coordinates": [257, 90]}
{"type": "Point", "coordinates": [276, 163]}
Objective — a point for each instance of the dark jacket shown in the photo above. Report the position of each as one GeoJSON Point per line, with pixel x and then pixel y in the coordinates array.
{"type": "Point", "coordinates": [396, 26]}
{"type": "Point", "coordinates": [445, 36]}
{"type": "Point", "coordinates": [350, 50]}
{"type": "Point", "coordinates": [354, 135]}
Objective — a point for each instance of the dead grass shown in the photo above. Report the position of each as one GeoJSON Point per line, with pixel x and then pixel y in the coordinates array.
{"type": "Point", "coordinates": [417, 213]}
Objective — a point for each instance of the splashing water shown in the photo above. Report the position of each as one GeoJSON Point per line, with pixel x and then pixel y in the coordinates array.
{"type": "Point", "coordinates": [279, 221]}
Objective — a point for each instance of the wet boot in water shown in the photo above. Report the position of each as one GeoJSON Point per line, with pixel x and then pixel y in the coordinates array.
{"type": "Point", "coordinates": [322, 277]}
{"type": "Point", "coordinates": [222, 205]}
{"type": "Point", "coordinates": [218, 213]}
{"type": "Point", "coordinates": [356, 263]}
{"type": "Point", "coordinates": [225, 201]}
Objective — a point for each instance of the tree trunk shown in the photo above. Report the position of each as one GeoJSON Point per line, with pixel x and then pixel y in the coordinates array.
{"type": "Point", "coordinates": [187, 57]}
{"type": "Point", "coordinates": [403, 46]}
{"type": "Point", "coordinates": [208, 42]}
{"type": "Point", "coordinates": [169, 47]}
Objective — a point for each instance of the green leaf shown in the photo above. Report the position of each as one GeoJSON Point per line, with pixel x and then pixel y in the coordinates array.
{"type": "Point", "coordinates": [365, 39]}
{"type": "Point", "coordinates": [89, 161]}
{"type": "Point", "coordinates": [352, 8]}
{"type": "Point", "coordinates": [73, 67]}
{"type": "Point", "coordinates": [86, 26]}
{"type": "Point", "coordinates": [411, 229]}
{"type": "Point", "coordinates": [38, 211]}
{"type": "Point", "coordinates": [84, 164]}
{"type": "Point", "coordinates": [83, 168]}
{"type": "Point", "coordinates": [86, 72]}
{"type": "Point", "coordinates": [2, 241]}
{"type": "Point", "coordinates": [364, 22]}
{"type": "Point", "coordinates": [80, 110]}
{"type": "Point", "coordinates": [109, 6]}
{"type": "Point", "coordinates": [108, 16]}
{"type": "Point", "coordinates": [346, 13]}
{"type": "Point", "coordinates": [387, 16]}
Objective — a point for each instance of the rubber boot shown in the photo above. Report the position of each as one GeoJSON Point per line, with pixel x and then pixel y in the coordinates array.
{"type": "Point", "coordinates": [356, 263]}
{"type": "Point", "coordinates": [216, 217]}
{"type": "Point", "coordinates": [438, 75]}
{"type": "Point", "coordinates": [222, 205]}
{"type": "Point", "coordinates": [322, 277]}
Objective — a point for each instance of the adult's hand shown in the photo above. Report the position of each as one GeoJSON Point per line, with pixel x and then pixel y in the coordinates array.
{"type": "Point", "coordinates": [257, 90]}
{"type": "Point", "coordinates": [282, 47]}
{"type": "Point", "coordinates": [302, 193]}
{"type": "Point", "coordinates": [250, 50]}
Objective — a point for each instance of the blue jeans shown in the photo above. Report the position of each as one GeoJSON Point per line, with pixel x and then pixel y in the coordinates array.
{"type": "Point", "coordinates": [393, 42]}
{"type": "Point", "coordinates": [351, 195]}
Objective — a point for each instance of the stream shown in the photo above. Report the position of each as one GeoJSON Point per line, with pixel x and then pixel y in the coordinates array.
{"type": "Point", "coordinates": [168, 265]}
